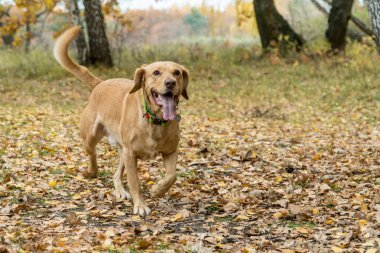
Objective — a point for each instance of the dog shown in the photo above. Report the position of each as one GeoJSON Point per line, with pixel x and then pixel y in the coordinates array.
{"type": "Point", "coordinates": [139, 116]}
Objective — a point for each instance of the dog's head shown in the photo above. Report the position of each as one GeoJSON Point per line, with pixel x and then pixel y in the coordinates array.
{"type": "Point", "coordinates": [163, 84]}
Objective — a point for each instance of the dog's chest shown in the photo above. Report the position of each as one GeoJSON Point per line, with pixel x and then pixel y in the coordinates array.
{"type": "Point", "coordinates": [146, 148]}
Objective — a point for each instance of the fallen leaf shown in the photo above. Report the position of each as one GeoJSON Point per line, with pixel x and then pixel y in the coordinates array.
{"type": "Point", "coordinates": [336, 249]}
{"type": "Point", "coordinates": [249, 156]}
{"type": "Point", "coordinates": [230, 206]}
{"type": "Point", "coordinates": [287, 251]}
{"type": "Point", "coordinates": [52, 184]}
{"type": "Point", "coordinates": [302, 230]}
{"type": "Point", "coordinates": [72, 219]}
{"type": "Point", "coordinates": [110, 232]}
{"type": "Point", "coordinates": [295, 209]}
{"type": "Point", "coordinates": [144, 244]}
{"type": "Point", "coordinates": [242, 217]}
{"type": "Point", "coordinates": [181, 215]}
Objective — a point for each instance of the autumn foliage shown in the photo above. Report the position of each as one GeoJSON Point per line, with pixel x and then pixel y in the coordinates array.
{"type": "Point", "coordinates": [277, 153]}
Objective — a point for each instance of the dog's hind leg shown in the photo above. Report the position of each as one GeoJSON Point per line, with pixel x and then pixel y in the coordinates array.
{"type": "Point", "coordinates": [91, 133]}
{"type": "Point", "coordinates": [170, 163]}
{"type": "Point", "coordinates": [120, 193]}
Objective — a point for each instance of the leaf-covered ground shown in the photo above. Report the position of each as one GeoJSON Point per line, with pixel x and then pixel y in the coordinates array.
{"type": "Point", "coordinates": [279, 158]}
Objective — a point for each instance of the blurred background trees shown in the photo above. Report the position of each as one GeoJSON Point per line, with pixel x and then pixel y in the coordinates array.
{"type": "Point", "coordinates": [196, 21]}
{"type": "Point", "coordinates": [272, 26]}
{"type": "Point", "coordinates": [110, 27]}
{"type": "Point", "coordinates": [80, 41]}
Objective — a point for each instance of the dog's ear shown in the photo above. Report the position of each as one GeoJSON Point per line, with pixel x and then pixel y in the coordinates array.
{"type": "Point", "coordinates": [185, 75]}
{"type": "Point", "coordinates": [139, 79]}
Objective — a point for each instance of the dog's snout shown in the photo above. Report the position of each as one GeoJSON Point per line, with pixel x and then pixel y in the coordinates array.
{"type": "Point", "coordinates": [170, 83]}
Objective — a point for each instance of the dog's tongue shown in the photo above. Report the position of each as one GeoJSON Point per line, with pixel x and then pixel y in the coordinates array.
{"type": "Point", "coordinates": [168, 107]}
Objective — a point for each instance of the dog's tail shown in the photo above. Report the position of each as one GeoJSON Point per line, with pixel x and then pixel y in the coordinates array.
{"type": "Point", "coordinates": [61, 55]}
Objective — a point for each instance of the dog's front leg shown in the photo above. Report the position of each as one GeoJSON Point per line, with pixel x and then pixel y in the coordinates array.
{"type": "Point", "coordinates": [170, 164]}
{"type": "Point", "coordinates": [139, 204]}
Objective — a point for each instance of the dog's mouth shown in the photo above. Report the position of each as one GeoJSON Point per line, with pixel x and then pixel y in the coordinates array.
{"type": "Point", "coordinates": [167, 102]}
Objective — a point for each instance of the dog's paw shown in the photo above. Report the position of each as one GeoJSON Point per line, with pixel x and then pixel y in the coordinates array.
{"type": "Point", "coordinates": [89, 175]}
{"type": "Point", "coordinates": [157, 191]}
{"type": "Point", "coordinates": [121, 194]}
{"type": "Point", "coordinates": [141, 209]}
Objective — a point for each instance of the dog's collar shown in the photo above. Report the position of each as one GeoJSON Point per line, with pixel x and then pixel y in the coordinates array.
{"type": "Point", "coordinates": [152, 118]}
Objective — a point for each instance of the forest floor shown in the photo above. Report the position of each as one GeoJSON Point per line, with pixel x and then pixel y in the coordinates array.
{"type": "Point", "coordinates": [274, 156]}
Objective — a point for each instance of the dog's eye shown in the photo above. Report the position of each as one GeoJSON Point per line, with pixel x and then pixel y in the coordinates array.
{"type": "Point", "coordinates": [156, 73]}
{"type": "Point", "coordinates": [177, 72]}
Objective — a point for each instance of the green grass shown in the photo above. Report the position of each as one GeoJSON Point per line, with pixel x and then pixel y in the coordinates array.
{"type": "Point", "coordinates": [225, 218]}
{"type": "Point", "coordinates": [293, 224]}
{"type": "Point", "coordinates": [224, 80]}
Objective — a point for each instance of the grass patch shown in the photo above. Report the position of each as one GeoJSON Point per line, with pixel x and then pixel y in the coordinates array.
{"type": "Point", "coordinates": [223, 80]}
{"type": "Point", "coordinates": [213, 207]}
{"type": "Point", "coordinates": [336, 188]}
{"type": "Point", "coordinates": [293, 224]}
{"type": "Point", "coordinates": [191, 174]}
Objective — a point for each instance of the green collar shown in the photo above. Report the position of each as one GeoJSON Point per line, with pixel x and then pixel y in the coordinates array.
{"type": "Point", "coordinates": [152, 118]}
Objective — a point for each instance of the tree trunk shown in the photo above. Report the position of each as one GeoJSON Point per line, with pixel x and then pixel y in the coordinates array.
{"type": "Point", "coordinates": [353, 35]}
{"type": "Point", "coordinates": [338, 20]}
{"type": "Point", "coordinates": [80, 41]}
{"type": "Point", "coordinates": [97, 38]}
{"type": "Point", "coordinates": [28, 35]}
{"type": "Point", "coordinates": [359, 24]}
{"type": "Point", "coordinates": [373, 7]}
{"type": "Point", "coordinates": [271, 24]}
{"type": "Point", "coordinates": [7, 39]}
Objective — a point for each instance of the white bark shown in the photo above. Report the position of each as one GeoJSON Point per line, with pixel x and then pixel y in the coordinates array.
{"type": "Point", "coordinates": [373, 7]}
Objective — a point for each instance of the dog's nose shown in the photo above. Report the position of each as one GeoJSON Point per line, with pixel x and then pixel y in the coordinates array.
{"type": "Point", "coordinates": [170, 83]}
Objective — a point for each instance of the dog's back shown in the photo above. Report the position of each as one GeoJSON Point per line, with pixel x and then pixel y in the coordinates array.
{"type": "Point", "coordinates": [107, 99]}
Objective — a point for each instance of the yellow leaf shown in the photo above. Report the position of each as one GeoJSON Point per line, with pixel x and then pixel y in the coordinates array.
{"type": "Point", "coordinates": [219, 245]}
{"type": "Point", "coordinates": [241, 217]}
{"type": "Point", "coordinates": [80, 178]}
{"type": "Point", "coordinates": [110, 232]}
{"type": "Point", "coordinates": [181, 215]}
{"type": "Point", "coordinates": [76, 196]}
{"type": "Point", "coordinates": [278, 179]}
{"type": "Point", "coordinates": [222, 184]}
{"type": "Point", "coordinates": [362, 222]}
{"type": "Point", "coordinates": [329, 222]}
{"type": "Point", "coordinates": [120, 213]}
{"type": "Point", "coordinates": [61, 243]}
{"type": "Point", "coordinates": [52, 184]}
{"type": "Point", "coordinates": [136, 218]}
{"type": "Point", "coordinates": [315, 211]}
{"type": "Point", "coordinates": [336, 249]}
{"type": "Point", "coordinates": [278, 215]}
{"type": "Point", "coordinates": [316, 157]}
{"type": "Point", "coordinates": [288, 251]}
{"type": "Point", "coordinates": [151, 183]}
{"type": "Point", "coordinates": [364, 208]}
{"type": "Point", "coordinates": [107, 242]}
{"type": "Point", "coordinates": [302, 230]}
